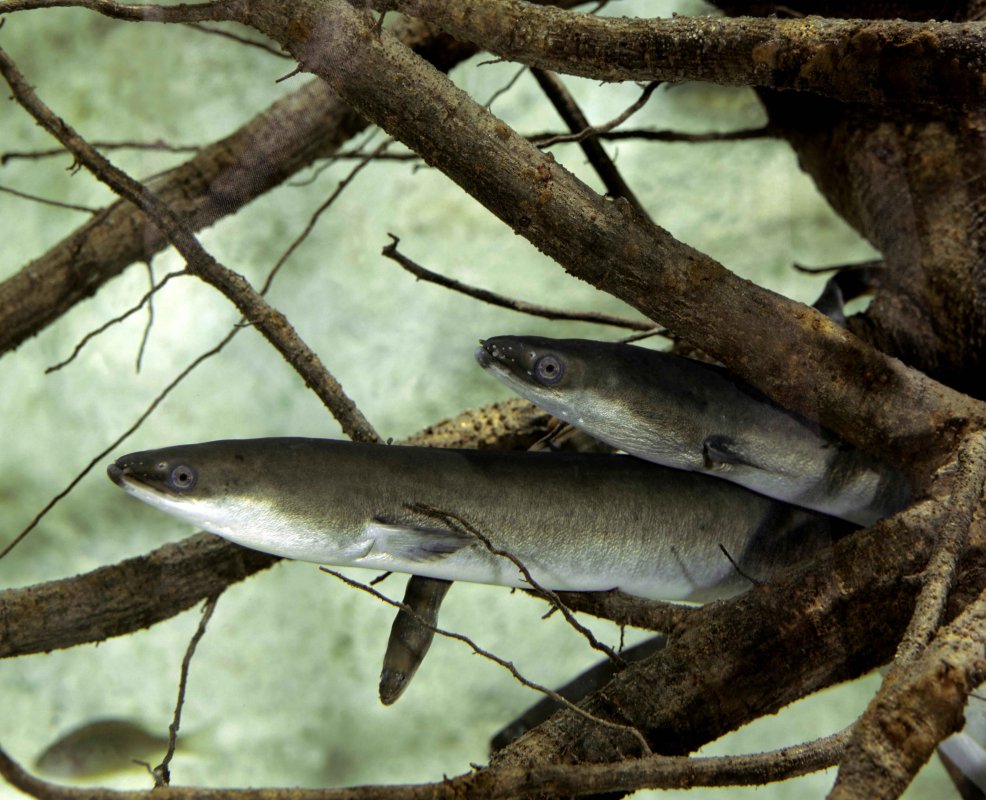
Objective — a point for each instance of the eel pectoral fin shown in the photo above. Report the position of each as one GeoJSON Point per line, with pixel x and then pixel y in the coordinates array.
{"type": "Point", "coordinates": [719, 451]}
{"type": "Point", "coordinates": [408, 542]}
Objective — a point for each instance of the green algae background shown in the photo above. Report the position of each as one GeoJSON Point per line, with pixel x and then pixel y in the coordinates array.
{"type": "Point", "coordinates": [282, 691]}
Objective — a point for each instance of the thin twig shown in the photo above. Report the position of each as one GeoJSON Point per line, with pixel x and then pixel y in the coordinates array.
{"type": "Point", "coordinates": [521, 306]}
{"type": "Point", "coordinates": [460, 524]}
{"type": "Point", "coordinates": [657, 330]}
{"type": "Point", "coordinates": [367, 158]}
{"type": "Point", "coordinates": [111, 322]}
{"type": "Point", "coordinates": [649, 772]}
{"type": "Point", "coordinates": [506, 87]}
{"type": "Point", "coordinates": [34, 155]}
{"type": "Point", "coordinates": [492, 657]}
{"type": "Point", "coordinates": [162, 772]}
{"type": "Point", "coordinates": [568, 109]}
{"type": "Point", "coordinates": [358, 152]}
{"type": "Point", "coordinates": [236, 38]}
{"type": "Point", "coordinates": [736, 566]}
{"type": "Point", "coordinates": [711, 137]}
{"type": "Point", "coordinates": [116, 442]}
{"type": "Point", "coordinates": [150, 318]}
{"type": "Point", "coordinates": [45, 201]}
{"type": "Point", "coordinates": [167, 390]}
{"type": "Point", "coordinates": [595, 130]}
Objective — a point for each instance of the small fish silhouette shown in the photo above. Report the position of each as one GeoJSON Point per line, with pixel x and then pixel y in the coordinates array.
{"type": "Point", "coordinates": [99, 748]}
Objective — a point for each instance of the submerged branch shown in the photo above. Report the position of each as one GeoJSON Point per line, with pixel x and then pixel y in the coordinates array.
{"type": "Point", "coordinates": [922, 696]}
{"type": "Point", "coordinates": [937, 65]}
{"type": "Point", "coordinates": [122, 598]}
{"type": "Point", "coordinates": [162, 772]}
{"type": "Point", "coordinates": [651, 772]}
{"type": "Point", "coordinates": [521, 306]}
{"type": "Point", "coordinates": [218, 181]}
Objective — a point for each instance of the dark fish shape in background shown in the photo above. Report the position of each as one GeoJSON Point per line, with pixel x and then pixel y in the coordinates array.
{"type": "Point", "coordinates": [575, 690]}
{"type": "Point", "coordinates": [99, 748]}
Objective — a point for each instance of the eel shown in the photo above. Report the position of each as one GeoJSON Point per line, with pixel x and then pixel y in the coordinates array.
{"type": "Point", "coordinates": [577, 522]}
{"type": "Point", "coordinates": [689, 415]}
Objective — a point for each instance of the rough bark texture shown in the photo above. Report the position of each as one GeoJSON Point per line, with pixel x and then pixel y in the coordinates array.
{"type": "Point", "coordinates": [893, 62]}
{"type": "Point", "coordinates": [917, 713]}
{"type": "Point", "coordinates": [306, 125]}
{"type": "Point", "coordinates": [748, 654]}
{"type": "Point", "coordinates": [122, 598]}
{"type": "Point", "coordinates": [916, 188]}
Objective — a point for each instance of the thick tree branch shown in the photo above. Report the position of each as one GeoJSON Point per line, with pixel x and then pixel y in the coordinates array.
{"type": "Point", "coordinates": [940, 575]}
{"type": "Point", "coordinates": [181, 12]}
{"type": "Point", "coordinates": [923, 693]}
{"type": "Point", "coordinates": [916, 189]}
{"type": "Point", "coordinates": [568, 109]}
{"type": "Point", "coordinates": [625, 609]}
{"type": "Point", "coordinates": [521, 306]}
{"type": "Point", "coordinates": [559, 780]}
{"type": "Point", "coordinates": [122, 598]}
{"type": "Point", "coordinates": [308, 124]}
{"type": "Point", "coordinates": [732, 664]}
{"type": "Point", "coordinates": [666, 280]}
{"type": "Point", "coordinates": [939, 65]}
{"type": "Point", "coordinates": [734, 661]}
{"type": "Point", "coordinates": [223, 177]}
{"type": "Point", "coordinates": [890, 745]}
{"type": "Point", "coordinates": [821, 371]}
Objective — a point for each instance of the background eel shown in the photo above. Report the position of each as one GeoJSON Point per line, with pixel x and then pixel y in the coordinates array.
{"type": "Point", "coordinates": [694, 416]}
{"type": "Point", "coordinates": [580, 522]}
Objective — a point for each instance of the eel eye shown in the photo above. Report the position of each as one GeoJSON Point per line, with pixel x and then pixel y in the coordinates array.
{"type": "Point", "coordinates": [182, 477]}
{"type": "Point", "coordinates": [549, 370]}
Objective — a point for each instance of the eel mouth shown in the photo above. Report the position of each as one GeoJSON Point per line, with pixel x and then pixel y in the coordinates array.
{"type": "Point", "coordinates": [483, 356]}
{"type": "Point", "coordinates": [491, 355]}
{"type": "Point", "coordinates": [116, 473]}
